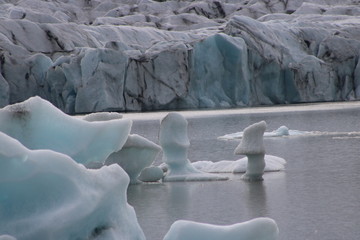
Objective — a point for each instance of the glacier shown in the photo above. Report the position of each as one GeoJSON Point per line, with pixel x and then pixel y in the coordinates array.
{"type": "Point", "coordinates": [91, 56]}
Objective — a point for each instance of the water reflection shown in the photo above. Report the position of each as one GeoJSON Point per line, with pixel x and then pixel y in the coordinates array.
{"type": "Point", "coordinates": [256, 199]}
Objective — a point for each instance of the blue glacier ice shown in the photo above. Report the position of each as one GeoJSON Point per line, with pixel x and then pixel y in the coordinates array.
{"type": "Point", "coordinates": [92, 56]}
{"type": "Point", "coordinates": [47, 195]}
{"type": "Point", "coordinates": [37, 124]}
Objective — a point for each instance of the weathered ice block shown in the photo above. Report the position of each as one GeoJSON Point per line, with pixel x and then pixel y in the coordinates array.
{"type": "Point", "coordinates": [252, 145]}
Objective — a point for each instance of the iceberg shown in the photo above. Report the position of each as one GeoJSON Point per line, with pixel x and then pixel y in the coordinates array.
{"type": "Point", "coordinates": [174, 141]}
{"type": "Point", "coordinates": [136, 154]}
{"type": "Point", "coordinates": [258, 228]}
{"type": "Point", "coordinates": [37, 124]}
{"type": "Point", "coordinates": [47, 195]}
{"type": "Point", "coordinates": [272, 164]}
{"type": "Point", "coordinates": [252, 145]}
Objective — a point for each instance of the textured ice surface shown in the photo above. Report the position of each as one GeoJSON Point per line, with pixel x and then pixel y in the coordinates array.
{"type": "Point", "coordinates": [87, 56]}
{"type": "Point", "coordinates": [37, 124]}
{"type": "Point", "coordinates": [256, 229]}
{"type": "Point", "coordinates": [252, 145]}
{"type": "Point", "coordinates": [252, 141]}
{"type": "Point", "coordinates": [47, 195]}
{"type": "Point", "coordinates": [136, 154]}
{"type": "Point", "coordinates": [174, 141]}
{"type": "Point", "coordinates": [272, 164]}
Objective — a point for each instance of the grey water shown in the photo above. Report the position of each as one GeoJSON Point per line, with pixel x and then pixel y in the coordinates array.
{"type": "Point", "coordinates": [317, 196]}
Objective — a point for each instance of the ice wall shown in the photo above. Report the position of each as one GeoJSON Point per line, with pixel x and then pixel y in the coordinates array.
{"type": "Point", "coordinates": [88, 56]}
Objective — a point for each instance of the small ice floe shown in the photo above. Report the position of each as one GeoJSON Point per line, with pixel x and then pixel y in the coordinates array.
{"type": "Point", "coordinates": [272, 164]}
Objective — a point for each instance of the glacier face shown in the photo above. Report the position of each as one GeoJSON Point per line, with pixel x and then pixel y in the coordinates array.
{"type": "Point", "coordinates": [89, 56]}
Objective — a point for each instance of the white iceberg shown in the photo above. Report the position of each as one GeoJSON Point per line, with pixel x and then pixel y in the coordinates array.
{"type": "Point", "coordinates": [272, 164]}
{"type": "Point", "coordinates": [252, 145]}
{"type": "Point", "coordinates": [37, 124]}
{"type": "Point", "coordinates": [256, 229]}
{"type": "Point", "coordinates": [175, 143]}
{"type": "Point", "coordinates": [137, 154]}
{"type": "Point", "coordinates": [47, 195]}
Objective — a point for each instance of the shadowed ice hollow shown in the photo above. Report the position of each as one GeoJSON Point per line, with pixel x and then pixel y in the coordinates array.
{"type": "Point", "coordinates": [136, 154]}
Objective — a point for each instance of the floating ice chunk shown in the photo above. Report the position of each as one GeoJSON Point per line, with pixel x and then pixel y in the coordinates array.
{"type": "Point", "coordinates": [252, 145]}
{"type": "Point", "coordinates": [137, 153]}
{"type": "Point", "coordinates": [37, 124]}
{"type": "Point", "coordinates": [255, 229]}
{"type": "Point", "coordinates": [151, 174]}
{"type": "Point", "coordinates": [102, 116]}
{"type": "Point", "coordinates": [175, 143]}
{"type": "Point", "coordinates": [47, 195]}
{"type": "Point", "coordinates": [282, 131]}
{"type": "Point", "coordinates": [272, 164]}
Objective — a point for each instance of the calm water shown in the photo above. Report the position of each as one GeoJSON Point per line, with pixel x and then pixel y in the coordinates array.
{"type": "Point", "coordinates": [317, 197]}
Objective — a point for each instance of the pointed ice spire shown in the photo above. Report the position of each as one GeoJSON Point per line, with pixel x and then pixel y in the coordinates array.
{"type": "Point", "coordinates": [252, 145]}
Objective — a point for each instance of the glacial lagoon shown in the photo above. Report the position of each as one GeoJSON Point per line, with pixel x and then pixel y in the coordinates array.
{"type": "Point", "coordinates": [317, 197]}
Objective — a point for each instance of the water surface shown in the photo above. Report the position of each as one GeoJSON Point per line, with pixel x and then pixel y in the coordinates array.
{"type": "Point", "coordinates": [317, 197]}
